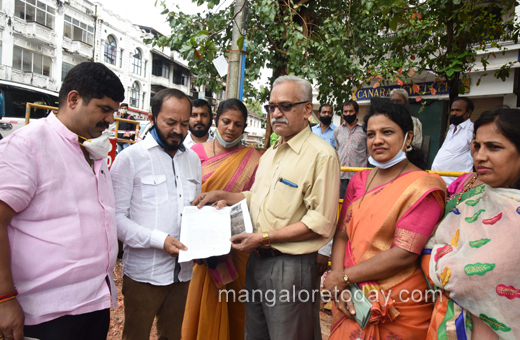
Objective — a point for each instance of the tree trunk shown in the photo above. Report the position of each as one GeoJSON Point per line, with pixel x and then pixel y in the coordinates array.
{"type": "Point", "coordinates": [453, 86]}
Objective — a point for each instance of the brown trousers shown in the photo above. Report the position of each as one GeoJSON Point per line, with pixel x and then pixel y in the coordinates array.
{"type": "Point", "coordinates": [144, 301]}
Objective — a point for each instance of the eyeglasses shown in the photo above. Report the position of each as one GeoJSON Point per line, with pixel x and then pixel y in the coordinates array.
{"type": "Point", "coordinates": [284, 107]}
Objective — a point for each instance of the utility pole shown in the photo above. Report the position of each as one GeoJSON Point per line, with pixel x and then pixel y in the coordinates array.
{"type": "Point", "coordinates": [234, 73]}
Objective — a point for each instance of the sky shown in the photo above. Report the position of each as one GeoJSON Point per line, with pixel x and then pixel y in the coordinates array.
{"type": "Point", "coordinates": [144, 12]}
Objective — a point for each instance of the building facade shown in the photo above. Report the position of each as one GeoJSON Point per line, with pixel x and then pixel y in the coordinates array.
{"type": "Point", "coordinates": [255, 128]}
{"type": "Point", "coordinates": [119, 45]}
{"type": "Point", "coordinates": [41, 40]}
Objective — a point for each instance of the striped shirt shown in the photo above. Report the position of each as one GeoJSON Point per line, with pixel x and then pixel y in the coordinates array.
{"type": "Point", "coordinates": [351, 145]}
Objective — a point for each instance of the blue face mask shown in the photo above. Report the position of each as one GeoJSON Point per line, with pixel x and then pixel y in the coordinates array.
{"type": "Point", "coordinates": [399, 157]}
{"type": "Point", "coordinates": [153, 132]}
{"type": "Point", "coordinates": [228, 144]}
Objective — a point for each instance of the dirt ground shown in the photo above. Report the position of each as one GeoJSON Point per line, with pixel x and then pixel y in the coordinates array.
{"type": "Point", "coordinates": [117, 316]}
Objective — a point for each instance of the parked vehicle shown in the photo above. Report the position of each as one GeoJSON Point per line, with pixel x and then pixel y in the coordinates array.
{"type": "Point", "coordinates": [143, 131]}
{"type": "Point", "coordinates": [16, 96]}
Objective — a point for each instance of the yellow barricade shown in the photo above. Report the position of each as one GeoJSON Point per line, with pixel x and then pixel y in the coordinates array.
{"type": "Point", "coordinates": [117, 120]}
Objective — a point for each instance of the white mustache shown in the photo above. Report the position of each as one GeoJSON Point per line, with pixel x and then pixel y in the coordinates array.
{"type": "Point", "coordinates": [279, 120]}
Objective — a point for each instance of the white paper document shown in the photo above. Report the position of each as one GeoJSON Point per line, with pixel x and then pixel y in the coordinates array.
{"type": "Point", "coordinates": [206, 232]}
{"type": "Point", "coordinates": [221, 65]}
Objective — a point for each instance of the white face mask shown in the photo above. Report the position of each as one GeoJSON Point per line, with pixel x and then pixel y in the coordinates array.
{"type": "Point", "coordinates": [228, 144]}
{"type": "Point", "coordinates": [123, 111]}
{"type": "Point", "coordinates": [98, 148]}
{"type": "Point", "coordinates": [399, 157]}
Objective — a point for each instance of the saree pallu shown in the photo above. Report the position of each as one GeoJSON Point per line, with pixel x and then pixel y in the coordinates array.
{"type": "Point", "coordinates": [475, 261]}
{"type": "Point", "coordinates": [207, 314]}
{"type": "Point", "coordinates": [455, 190]}
{"type": "Point", "coordinates": [370, 224]}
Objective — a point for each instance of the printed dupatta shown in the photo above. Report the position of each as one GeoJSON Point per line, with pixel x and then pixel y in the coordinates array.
{"type": "Point", "coordinates": [475, 260]}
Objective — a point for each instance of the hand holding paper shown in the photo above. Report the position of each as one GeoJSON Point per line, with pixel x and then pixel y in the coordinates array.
{"type": "Point", "coordinates": [207, 231]}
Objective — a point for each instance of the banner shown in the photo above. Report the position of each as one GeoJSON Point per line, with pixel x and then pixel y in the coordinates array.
{"type": "Point", "coordinates": [112, 152]}
{"type": "Point", "coordinates": [384, 91]}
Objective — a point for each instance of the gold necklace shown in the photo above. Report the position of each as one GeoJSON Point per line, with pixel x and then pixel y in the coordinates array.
{"type": "Point", "coordinates": [466, 188]}
{"type": "Point", "coordinates": [377, 171]}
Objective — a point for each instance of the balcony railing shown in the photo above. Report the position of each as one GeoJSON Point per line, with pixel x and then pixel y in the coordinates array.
{"type": "Point", "coordinates": [78, 47]}
{"type": "Point", "coordinates": [34, 79]}
{"type": "Point", "coordinates": [34, 30]}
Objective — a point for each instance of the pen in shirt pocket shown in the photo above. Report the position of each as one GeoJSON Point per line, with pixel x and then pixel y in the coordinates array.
{"type": "Point", "coordinates": [286, 182]}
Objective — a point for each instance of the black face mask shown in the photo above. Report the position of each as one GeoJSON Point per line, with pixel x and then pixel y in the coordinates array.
{"type": "Point", "coordinates": [350, 118]}
{"type": "Point", "coordinates": [326, 120]}
{"type": "Point", "coordinates": [456, 120]}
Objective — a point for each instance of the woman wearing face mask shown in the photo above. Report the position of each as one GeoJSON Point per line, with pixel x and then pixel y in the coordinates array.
{"type": "Point", "coordinates": [388, 215]}
{"type": "Point", "coordinates": [226, 165]}
{"type": "Point", "coordinates": [475, 254]}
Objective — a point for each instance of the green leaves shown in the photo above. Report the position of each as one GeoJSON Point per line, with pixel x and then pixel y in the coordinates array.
{"type": "Point", "coordinates": [393, 24]}
{"type": "Point", "coordinates": [341, 44]}
{"type": "Point", "coordinates": [443, 35]}
{"type": "Point", "coordinates": [240, 41]}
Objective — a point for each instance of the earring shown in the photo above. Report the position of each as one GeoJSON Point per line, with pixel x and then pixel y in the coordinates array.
{"type": "Point", "coordinates": [409, 148]}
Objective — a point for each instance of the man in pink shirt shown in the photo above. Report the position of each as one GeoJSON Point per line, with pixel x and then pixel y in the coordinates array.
{"type": "Point", "coordinates": [58, 239]}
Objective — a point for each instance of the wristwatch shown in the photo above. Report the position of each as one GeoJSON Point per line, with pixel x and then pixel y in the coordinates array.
{"type": "Point", "coordinates": [266, 241]}
{"type": "Point", "coordinates": [346, 279]}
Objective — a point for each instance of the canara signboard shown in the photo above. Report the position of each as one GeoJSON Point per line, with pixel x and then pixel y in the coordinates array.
{"type": "Point", "coordinates": [384, 91]}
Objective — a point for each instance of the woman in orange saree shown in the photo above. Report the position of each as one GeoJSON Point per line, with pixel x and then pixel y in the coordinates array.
{"type": "Point", "coordinates": [232, 168]}
{"type": "Point", "coordinates": [388, 215]}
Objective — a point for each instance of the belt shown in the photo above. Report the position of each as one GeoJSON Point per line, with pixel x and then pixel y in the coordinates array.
{"type": "Point", "coordinates": [263, 253]}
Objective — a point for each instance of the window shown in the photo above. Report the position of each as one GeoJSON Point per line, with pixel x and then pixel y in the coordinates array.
{"type": "Point", "coordinates": [34, 11]}
{"type": "Point", "coordinates": [161, 68]}
{"type": "Point", "coordinates": [28, 61]}
{"type": "Point", "coordinates": [166, 70]}
{"type": "Point", "coordinates": [121, 58]}
{"type": "Point", "coordinates": [110, 50]}
{"type": "Point", "coordinates": [137, 62]}
{"type": "Point", "coordinates": [77, 30]}
{"type": "Point", "coordinates": [134, 95]}
{"type": "Point", "coordinates": [145, 64]}
{"type": "Point", "coordinates": [65, 68]}
{"type": "Point", "coordinates": [180, 76]}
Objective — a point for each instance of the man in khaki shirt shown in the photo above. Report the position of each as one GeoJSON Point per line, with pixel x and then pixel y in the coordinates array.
{"type": "Point", "coordinates": [293, 205]}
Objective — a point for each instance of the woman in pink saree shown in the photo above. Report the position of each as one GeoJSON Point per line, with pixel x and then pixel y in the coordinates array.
{"type": "Point", "coordinates": [388, 215]}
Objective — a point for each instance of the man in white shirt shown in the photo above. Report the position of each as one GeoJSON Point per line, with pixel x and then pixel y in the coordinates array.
{"type": "Point", "coordinates": [153, 181]}
{"type": "Point", "coordinates": [455, 152]}
{"type": "Point", "coordinates": [201, 119]}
